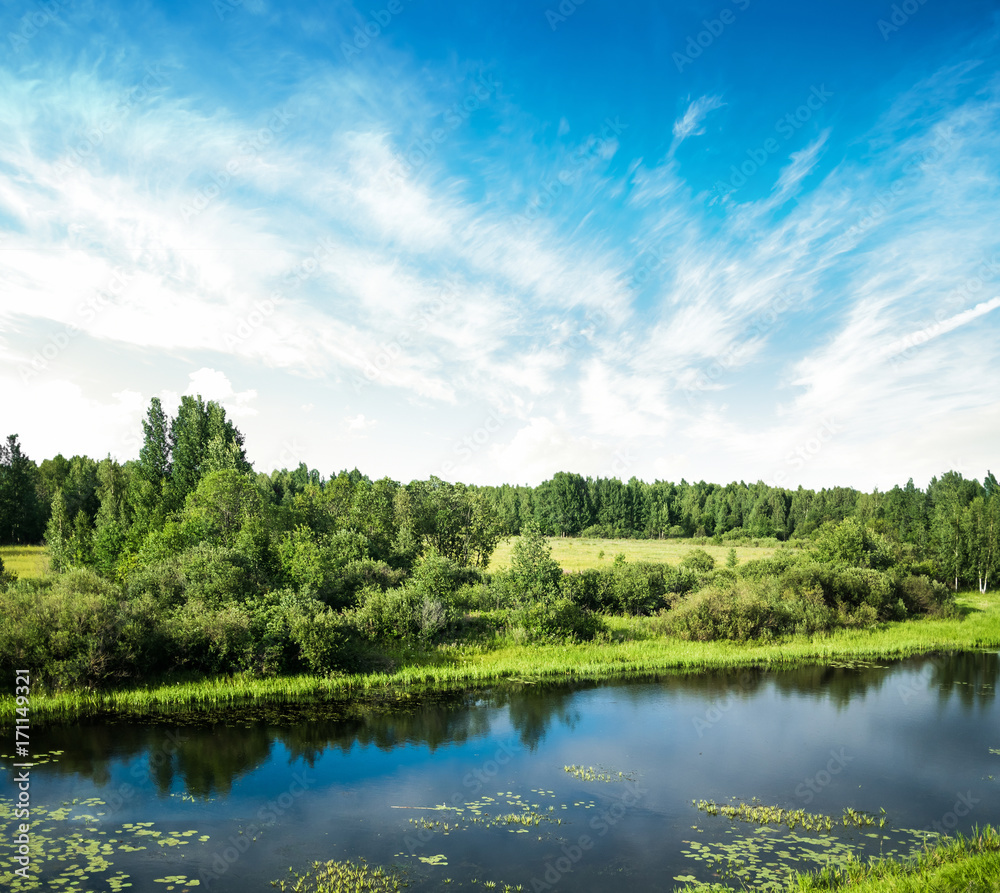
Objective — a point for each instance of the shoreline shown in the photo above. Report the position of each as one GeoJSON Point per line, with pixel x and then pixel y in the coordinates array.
{"type": "Point", "coordinates": [471, 668]}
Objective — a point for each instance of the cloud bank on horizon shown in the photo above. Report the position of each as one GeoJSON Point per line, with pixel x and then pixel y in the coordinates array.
{"type": "Point", "coordinates": [730, 240]}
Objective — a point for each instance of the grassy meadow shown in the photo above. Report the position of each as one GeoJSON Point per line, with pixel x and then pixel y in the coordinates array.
{"type": "Point", "coordinates": [25, 561]}
{"type": "Point", "coordinates": [577, 554]}
{"type": "Point", "coordinates": [573, 554]}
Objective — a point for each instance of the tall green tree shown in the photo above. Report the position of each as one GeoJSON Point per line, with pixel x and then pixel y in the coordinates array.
{"type": "Point", "coordinates": [983, 532]}
{"type": "Point", "coordinates": [59, 533]}
{"type": "Point", "coordinates": [114, 517]}
{"type": "Point", "coordinates": [950, 496]}
{"type": "Point", "coordinates": [562, 505]}
{"type": "Point", "coordinates": [22, 517]}
{"type": "Point", "coordinates": [460, 522]}
{"type": "Point", "coordinates": [201, 437]}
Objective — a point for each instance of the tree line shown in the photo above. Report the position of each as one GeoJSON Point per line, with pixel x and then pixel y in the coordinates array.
{"type": "Point", "coordinates": [185, 560]}
{"type": "Point", "coordinates": [104, 514]}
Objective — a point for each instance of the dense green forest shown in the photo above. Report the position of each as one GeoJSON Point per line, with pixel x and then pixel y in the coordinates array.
{"type": "Point", "coordinates": [102, 513]}
{"type": "Point", "coordinates": [186, 560]}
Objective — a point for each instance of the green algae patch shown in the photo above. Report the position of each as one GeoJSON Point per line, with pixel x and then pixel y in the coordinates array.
{"type": "Point", "coordinates": [70, 851]}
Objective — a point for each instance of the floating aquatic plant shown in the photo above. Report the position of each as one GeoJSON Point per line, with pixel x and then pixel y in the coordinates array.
{"type": "Point", "coordinates": [69, 849]}
{"type": "Point", "coordinates": [759, 814]}
{"type": "Point", "coordinates": [344, 877]}
{"type": "Point", "coordinates": [589, 773]}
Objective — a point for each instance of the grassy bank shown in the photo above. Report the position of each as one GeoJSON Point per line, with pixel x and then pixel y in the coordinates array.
{"type": "Point", "coordinates": [953, 865]}
{"type": "Point", "coordinates": [577, 553]}
{"type": "Point", "coordinates": [635, 649]}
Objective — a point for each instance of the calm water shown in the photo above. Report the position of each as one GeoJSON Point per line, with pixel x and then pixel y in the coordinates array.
{"type": "Point", "coordinates": [235, 803]}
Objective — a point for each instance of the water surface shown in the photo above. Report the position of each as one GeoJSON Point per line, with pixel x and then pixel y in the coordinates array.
{"type": "Point", "coordinates": [452, 787]}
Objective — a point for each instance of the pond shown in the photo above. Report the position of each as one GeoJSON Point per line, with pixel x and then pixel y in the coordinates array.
{"type": "Point", "coordinates": [580, 786]}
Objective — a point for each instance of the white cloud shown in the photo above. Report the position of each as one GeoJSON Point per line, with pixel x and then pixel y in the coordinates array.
{"type": "Point", "coordinates": [414, 293]}
{"type": "Point", "coordinates": [360, 423]}
{"type": "Point", "coordinates": [211, 384]}
{"type": "Point", "coordinates": [540, 448]}
{"type": "Point", "coordinates": [690, 123]}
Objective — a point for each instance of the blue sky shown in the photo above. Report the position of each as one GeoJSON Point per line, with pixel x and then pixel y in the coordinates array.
{"type": "Point", "coordinates": [713, 240]}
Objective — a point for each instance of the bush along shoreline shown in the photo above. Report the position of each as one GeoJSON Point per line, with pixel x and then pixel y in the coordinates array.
{"type": "Point", "coordinates": [185, 566]}
{"type": "Point", "coordinates": [181, 640]}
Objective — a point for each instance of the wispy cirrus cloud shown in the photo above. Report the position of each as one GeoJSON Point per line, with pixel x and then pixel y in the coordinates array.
{"type": "Point", "coordinates": [692, 121]}
{"type": "Point", "coordinates": [275, 246]}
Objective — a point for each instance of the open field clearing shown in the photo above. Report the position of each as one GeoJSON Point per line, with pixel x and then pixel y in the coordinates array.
{"type": "Point", "coordinates": [25, 561]}
{"type": "Point", "coordinates": [576, 554]}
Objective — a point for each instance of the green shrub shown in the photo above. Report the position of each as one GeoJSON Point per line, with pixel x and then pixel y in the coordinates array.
{"type": "Point", "coordinates": [636, 588]}
{"type": "Point", "coordinates": [326, 641]}
{"type": "Point", "coordinates": [744, 610]}
{"type": "Point", "coordinates": [773, 566]}
{"type": "Point", "coordinates": [474, 596]}
{"type": "Point", "coordinates": [922, 595]}
{"type": "Point", "coordinates": [398, 614]}
{"type": "Point", "coordinates": [355, 577]}
{"type": "Point", "coordinates": [211, 638]}
{"type": "Point", "coordinates": [163, 581]}
{"type": "Point", "coordinates": [78, 630]}
{"type": "Point", "coordinates": [698, 560]}
{"type": "Point", "coordinates": [534, 573]}
{"type": "Point", "coordinates": [553, 620]}
{"type": "Point", "coordinates": [586, 588]}
{"type": "Point", "coordinates": [439, 577]}
{"type": "Point", "coordinates": [319, 563]}
{"type": "Point", "coordinates": [7, 578]}
{"type": "Point", "coordinates": [852, 543]}
{"type": "Point", "coordinates": [215, 575]}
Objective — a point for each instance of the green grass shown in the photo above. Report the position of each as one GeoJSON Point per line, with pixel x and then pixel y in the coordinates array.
{"type": "Point", "coordinates": [634, 650]}
{"type": "Point", "coordinates": [956, 865]}
{"type": "Point", "coordinates": [575, 554]}
{"type": "Point", "coordinates": [25, 561]}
